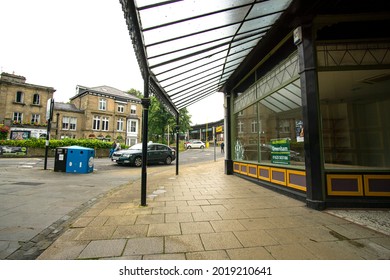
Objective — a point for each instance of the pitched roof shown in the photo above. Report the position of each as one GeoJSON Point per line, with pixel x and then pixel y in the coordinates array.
{"type": "Point", "coordinates": [66, 107]}
{"type": "Point", "coordinates": [108, 92]}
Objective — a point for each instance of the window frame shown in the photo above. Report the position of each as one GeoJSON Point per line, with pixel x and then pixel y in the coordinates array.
{"type": "Point", "coordinates": [17, 117]}
{"type": "Point", "coordinates": [120, 124]}
{"type": "Point", "coordinates": [35, 118]}
{"type": "Point", "coordinates": [133, 109]}
{"type": "Point", "coordinates": [36, 99]}
{"type": "Point", "coordinates": [133, 127]}
{"type": "Point", "coordinates": [96, 122]}
{"type": "Point", "coordinates": [105, 123]}
{"type": "Point", "coordinates": [102, 104]}
{"type": "Point", "coordinates": [72, 125]}
{"type": "Point", "coordinates": [19, 97]}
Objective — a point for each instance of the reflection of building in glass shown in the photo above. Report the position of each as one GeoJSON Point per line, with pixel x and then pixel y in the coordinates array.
{"type": "Point", "coordinates": [205, 132]}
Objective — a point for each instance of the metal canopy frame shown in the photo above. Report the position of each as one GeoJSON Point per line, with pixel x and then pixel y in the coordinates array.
{"type": "Point", "coordinates": [189, 49]}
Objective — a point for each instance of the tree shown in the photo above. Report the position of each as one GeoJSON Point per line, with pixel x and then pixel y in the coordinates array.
{"type": "Point", "coordinates": [135, 92]}
{"type": "Point", "coordinates": [160, 119]}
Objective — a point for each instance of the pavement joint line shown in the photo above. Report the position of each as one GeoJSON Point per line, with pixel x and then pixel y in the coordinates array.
{"type": "Point", "coordinates": [31, 249]}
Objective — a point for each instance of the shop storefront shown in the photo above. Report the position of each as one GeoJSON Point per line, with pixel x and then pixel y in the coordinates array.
{"type": "Point", "coordinates": [306, 87]}
{"type": "Point", "coordinates": [316, 124]}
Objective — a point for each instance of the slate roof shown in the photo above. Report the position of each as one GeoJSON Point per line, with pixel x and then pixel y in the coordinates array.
{"type": "Point", "coordinates": [66, 107]}
{"type": "Point", "coordinates": [108, 92]}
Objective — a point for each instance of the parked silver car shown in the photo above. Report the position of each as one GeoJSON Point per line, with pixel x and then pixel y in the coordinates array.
{"type": "Point", "coordinates": [195, 144]}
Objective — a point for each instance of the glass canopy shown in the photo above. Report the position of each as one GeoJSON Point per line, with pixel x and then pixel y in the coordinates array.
{"type": "Point", "coordinates": [191, 47]}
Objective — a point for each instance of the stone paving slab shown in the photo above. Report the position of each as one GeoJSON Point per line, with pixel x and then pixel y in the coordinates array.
{"type": "Point", "coordinates": [206, 215]}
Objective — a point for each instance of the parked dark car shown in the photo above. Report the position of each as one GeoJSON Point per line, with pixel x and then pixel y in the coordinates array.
{"type": "Point", "coordinates": [157, 153]}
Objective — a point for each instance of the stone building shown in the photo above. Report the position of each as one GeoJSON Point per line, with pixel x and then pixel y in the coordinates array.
{"type": "Point", "coordinates": [23, 106]}
{"type": "Point", "coordinates": [103, 112]}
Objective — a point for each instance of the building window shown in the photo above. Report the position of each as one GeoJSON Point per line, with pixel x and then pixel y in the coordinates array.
{"type": "Point", "coordinates": [132, 141]}
{"type": "Point", "coordinates": [36, 99]}
{"type": "Point", "coordinates": [133, 109]}
{"type": "Point", "coordinates": [65, 123]}
{"type": "Point", "coordinates": [121, 108]}
{"type": "Point", "coordinates": [96, 123]}
{"type": "Point", "coordinates": [119, 125]}
{"type": "Point", "coordinates": [69, 123]}
{"type": "Point", "coordinates": [35, 118]}
{"type": "Point", "coordinates": [72, 123]}
{"type": "Point", "coordinates": [18, 117]}
{"type": "Point", "coordinates": [133, 126]}
{"type": "Point", "coordinates": [102, 104]}
{"type": "Point", "coordinates": [19, 97]}
{"type": "Point", "coordinates": [254, 126]}
{"type": "Point", "coordinates": [105, 123]}
{"type": "Point", "coordinates": [240, 127]}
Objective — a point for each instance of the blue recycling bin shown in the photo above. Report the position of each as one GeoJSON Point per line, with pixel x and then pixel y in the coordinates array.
{"type": "Point", "coordinates": [79, 159]}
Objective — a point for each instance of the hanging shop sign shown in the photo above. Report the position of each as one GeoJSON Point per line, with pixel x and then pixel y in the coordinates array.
{"type": "Point", "coordinates": [280, 151]}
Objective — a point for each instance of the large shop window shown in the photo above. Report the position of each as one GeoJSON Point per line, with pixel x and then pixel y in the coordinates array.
{"type": "Point", "coordinates": [355, 118]}
{"type": "Point", "coordinates": [271, 131]}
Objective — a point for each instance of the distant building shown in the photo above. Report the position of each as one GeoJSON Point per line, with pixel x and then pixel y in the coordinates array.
{"type": "Point", "coordinates": [205, 131]}
{"type": "Point", "coordinates": [23, 106]}
{"type": "Point", "coordinates": [103, 112]}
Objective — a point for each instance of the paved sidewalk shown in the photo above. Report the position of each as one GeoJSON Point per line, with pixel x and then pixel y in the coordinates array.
{"type": "Point", "coordinates": [203, 214]}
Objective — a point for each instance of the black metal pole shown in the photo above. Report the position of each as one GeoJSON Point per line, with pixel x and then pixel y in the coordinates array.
{"type": "Point", "coordinates": [145, 114]}
{"type": "Point", "coordinates": [215, 144]}
{"type": "Point", "coordinates": [49, 116]}
{"type": "Point", "coordinates": [47, 143]}
{"type": "Point", "coordinates": [228, 139]}
{"type": "Point", "coordinates": [177, 144]}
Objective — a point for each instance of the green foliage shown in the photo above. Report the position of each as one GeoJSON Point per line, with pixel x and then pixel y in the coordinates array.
{"type": "Point", "coordinates": [135, 92]}
{"type": "Point", "coordinates": [40, 143]}
{"type": "Point", "coordinates": [160, 119]}
{"type": "Point", "coordinates": [3, 131]}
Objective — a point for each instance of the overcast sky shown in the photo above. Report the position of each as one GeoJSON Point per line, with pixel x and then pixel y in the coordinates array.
{"type": "Point", "coordinates": [63, 44]}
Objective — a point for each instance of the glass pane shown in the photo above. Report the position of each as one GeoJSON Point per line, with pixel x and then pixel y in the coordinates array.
{"type": "Point", "coordinates": [246, 142]}
{"type": "Point", "coordinates": [184, 9]}
{"type": "Point", "coordinates": [215, 37]}
{"type": "Point", "coordinates": [283, 125]}
{"type": "Point", "coordinates": [268, 7]}
{"type": "Point", "coordinates": [355, 114]}
{"type": "Point", "coordinates": [190, 62]}
{"type": "Point", "coordinates": [293, 97]}
{"type": "Point", "coordinates": [283, 99]}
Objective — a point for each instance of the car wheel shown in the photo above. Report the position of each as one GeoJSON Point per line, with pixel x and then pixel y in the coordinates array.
{"type": "Point", "coordinates": [168, 160]}
{"type": "Point", "coordinates": [202, 147]}
{"type": "Point", "coordinates": [188, 147]}
{"type": "Point", "coordinates": [138, 161]}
